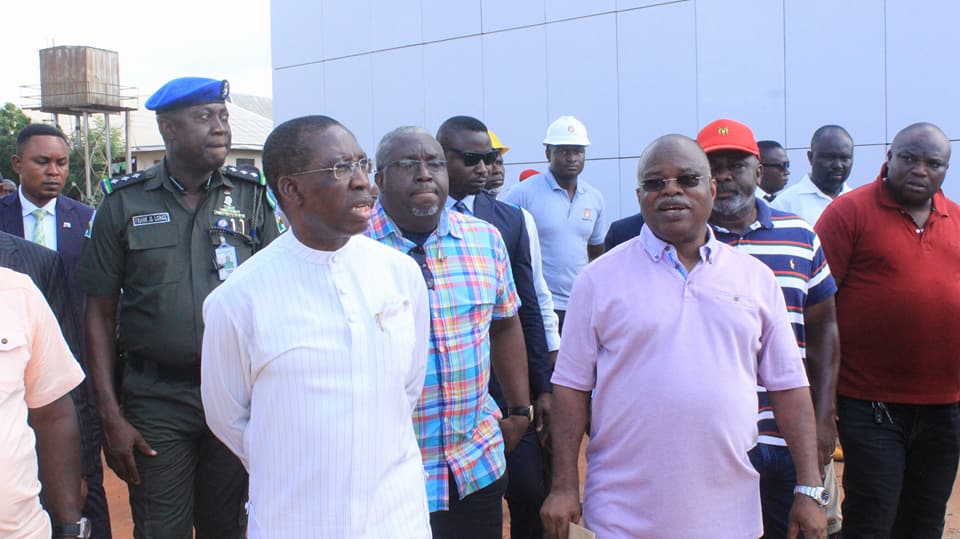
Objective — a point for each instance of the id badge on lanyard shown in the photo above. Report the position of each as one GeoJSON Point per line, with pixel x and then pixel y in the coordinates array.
{"type": "Point", "coordinates": [226, 259]}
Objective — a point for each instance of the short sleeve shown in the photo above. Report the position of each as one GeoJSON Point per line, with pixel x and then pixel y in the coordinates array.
{"type": "Point", "coordinates": [100, 267]}
{"type": "Point", "coordinates": [576, 366]}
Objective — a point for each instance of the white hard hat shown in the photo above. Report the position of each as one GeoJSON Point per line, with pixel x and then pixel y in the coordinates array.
{"type": "Point", "coordinates": [567, 131]}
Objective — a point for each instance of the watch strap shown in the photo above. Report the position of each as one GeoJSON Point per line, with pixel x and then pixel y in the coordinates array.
{"type": "Point", "coordinates": [526, 411]}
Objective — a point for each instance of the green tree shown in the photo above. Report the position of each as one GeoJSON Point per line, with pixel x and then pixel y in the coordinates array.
{"type": "Point", "coordinates": [98, 159]}
{"type": "Point", "coordinates": [12, 120]}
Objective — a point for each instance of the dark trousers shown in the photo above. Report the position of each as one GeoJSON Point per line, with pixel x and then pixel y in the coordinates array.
{"type": "Point", "coordinates": [778, 476]}
{"type": "Point", "coordinates": [526, 487]}
{"type": "Point", "coordinates": [477, 516]}
{"type": "Point", "coordinates": [560, 316]}
{"type": "Point", "coordinates": [194, 481]}
{"type": "Point", "coordinates": [900, 462]}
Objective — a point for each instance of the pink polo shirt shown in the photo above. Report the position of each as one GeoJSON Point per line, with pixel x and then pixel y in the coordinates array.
{"type": "Point", "coordinates": [674, 360]}
{"type": "Point", "coordinates": [36, 368]}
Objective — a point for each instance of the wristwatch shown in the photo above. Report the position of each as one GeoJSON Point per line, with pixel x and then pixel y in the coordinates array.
{"type": "Point", "coordinates": [80, 529]}
{"type": "Point", "coordinates": [819, 494]}
{"type": "Point", "coordinates": [526, 411]}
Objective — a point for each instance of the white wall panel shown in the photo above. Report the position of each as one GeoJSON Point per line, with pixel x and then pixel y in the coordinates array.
{"type": "Point", "coordinates": [923, 62]}
{"type": "Point", "coordinates": [582, 78]}
{"type": "Point", "coordinates": [567, 9]}
{"type": "Point", "coordinates": [505, 14]}
{"type": "Point", "coordinates": [835, 71]}
{"type": "Point", "coordinates": [623, 5]}
{"type": "Point", "coordinates": [629, 204]}
{"type": "Point", "coordinates": [398, 91]}
{"type": "Point", "coordinates": [740, 62]}
{"type": "Point", "coordinates": [866, 164]}
{"type": "Point", "coordinates": [447, 19]}
{"type": "Point", "coordinates": [453, 80]}
{"type": "Point", "coordinates": [346, 27]}
{"type": "Point", "coordinates": [395, 23]}
{"type": "Point", "coordinates": [604, 174]}
{"type": "Point", "coordinates": [349, 96]}
{"type": "Point", "coordinates": [294, 34]}
{"type": "Point", "coordinates": [514, 90]}
{"type": "Point", "coordinates": [298, 91]}
{"type": "Point", "coordinates": [658, 84]}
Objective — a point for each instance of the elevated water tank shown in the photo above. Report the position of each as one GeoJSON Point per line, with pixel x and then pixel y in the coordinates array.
{"type": "Point", "coordinates": [79, 78]}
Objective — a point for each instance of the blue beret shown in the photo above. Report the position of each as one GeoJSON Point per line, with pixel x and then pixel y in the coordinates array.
{"type": "Point", "coordinates": [188, 91]}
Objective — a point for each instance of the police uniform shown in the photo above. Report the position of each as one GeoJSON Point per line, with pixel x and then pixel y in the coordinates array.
{"type": "Point", "coordinates": [161, 258]}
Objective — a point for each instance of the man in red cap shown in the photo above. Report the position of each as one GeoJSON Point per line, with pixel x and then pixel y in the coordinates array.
{"type": "Point", "coordinates": [789, 247]}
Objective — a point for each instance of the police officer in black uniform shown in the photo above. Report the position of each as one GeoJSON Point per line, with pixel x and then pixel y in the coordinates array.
{"type": "Point", "coordinates": [160, 241]}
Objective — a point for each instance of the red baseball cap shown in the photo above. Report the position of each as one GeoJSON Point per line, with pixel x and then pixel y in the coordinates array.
{"type": "Point", "coordinates": [724, 134]}
{"type": "Point", "coordinates": [527, 173]}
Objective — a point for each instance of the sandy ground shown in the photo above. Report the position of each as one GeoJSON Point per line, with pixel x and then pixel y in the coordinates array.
{"type": "Point", "coordinates": [123, 524]}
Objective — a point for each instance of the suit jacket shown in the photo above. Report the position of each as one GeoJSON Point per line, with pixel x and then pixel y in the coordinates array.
{"type": "Point", "coordinates": [72, 220]}
{"type": "Point", "coordinates": [509, 221]}
{"type": "Point", "coordinates": [622, 230]}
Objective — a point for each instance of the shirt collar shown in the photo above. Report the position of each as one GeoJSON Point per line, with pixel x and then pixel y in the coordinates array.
{"type": "Point", "coordinates": [468, 201]}
{"type": "Point", "coordinates": [806, 185]}
{"type": "Point", "coordinates": [657, 248]}
{"type": "Point", "coordinates": [27, 207]}
{"type": "Point", "coordinates": [764, 220]}
{"type": "Point", "coordinates": [382, 226]}
{"type": "Point", "coordinates": [552, 182]}
{"type": "Point", "coordinates": [884, 198]}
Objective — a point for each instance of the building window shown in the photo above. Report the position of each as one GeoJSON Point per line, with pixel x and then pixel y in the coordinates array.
{"type": "Point", "coordinates": [245, 162]}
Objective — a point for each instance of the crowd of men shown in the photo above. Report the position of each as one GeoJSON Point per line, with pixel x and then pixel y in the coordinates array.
{"type": "Point", "coordinates": [416, 349]}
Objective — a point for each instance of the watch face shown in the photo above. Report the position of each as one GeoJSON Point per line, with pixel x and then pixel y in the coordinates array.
{"type": "Point", "coordinates": [824, 497]}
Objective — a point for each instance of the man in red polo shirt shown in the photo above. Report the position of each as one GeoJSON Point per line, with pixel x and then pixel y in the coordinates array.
{"type": "Point", "coordinates": [894, 249]}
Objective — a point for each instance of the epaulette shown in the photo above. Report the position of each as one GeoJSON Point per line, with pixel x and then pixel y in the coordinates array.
{"type": "Point", "coordinates": [253, 175]}
{"type": "Point", "coordinates": [247, 174]}
{"type": "Point", "coordinates": [108, 186]}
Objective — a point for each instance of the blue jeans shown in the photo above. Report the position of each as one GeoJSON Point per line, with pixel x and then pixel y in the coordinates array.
{"type": "Point", "coordinates": [778, 476]}
{"type": "Point", "coordinates": [899, 468]}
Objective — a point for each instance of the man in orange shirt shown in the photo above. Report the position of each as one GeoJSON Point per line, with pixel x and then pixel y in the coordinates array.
{"type": "Point", "coordinates": [39, 433]}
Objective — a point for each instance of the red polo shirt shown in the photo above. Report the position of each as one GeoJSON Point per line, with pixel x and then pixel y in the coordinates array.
{"type": "Point", "coordinates": [898, 303]}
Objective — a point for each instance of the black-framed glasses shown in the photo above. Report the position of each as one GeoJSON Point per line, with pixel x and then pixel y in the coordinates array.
{"type": "Point", "coordinates": [471, 159]}
{"type": "Point", "coordinates": [420, 256]}
{"type": "Point", "coordinates": [343, 169]}
{"type": "Point", "coordinates": [685, 181]}
{"type": "Point", "coordinates": [409, 165]}
{"type": "Point", "coordinates": [782, 167]}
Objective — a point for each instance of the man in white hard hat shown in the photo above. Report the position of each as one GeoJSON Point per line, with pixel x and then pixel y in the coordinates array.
{"type": "Point", "coordinates": [569, 213]}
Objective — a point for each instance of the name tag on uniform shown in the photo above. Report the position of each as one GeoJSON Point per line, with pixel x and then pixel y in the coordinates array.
{"type": "Point", "coordinates": [226, 260]}
{"type": "Point", "coordinates": [151, 219]}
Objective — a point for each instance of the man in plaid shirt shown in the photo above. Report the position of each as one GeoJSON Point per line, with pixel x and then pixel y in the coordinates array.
{"type": "Point", "coordinates": [473, 325]}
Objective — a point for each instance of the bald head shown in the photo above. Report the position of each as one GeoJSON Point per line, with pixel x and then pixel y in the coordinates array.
{"type": "Point", "coordinates": [933, 135]}
{"type": "Point", "coordinates": [917, 165]}
{"type": "Point", "coordinates": [674, 145]}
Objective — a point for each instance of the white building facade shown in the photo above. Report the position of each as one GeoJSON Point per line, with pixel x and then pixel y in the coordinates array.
{"type": "Point", "coordinates": [631, 70]}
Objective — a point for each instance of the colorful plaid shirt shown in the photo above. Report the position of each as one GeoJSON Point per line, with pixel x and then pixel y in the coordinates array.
{"type": "Point", "coordinates": [456, 420]}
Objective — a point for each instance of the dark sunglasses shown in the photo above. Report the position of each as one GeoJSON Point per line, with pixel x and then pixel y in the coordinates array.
{"type": "Point", "coordinates": [420, 256]}
{"type": "Point", "coordinates": [471, 159]}
{"type": "Point", "coordinates": [659, 184]}
{"type": "Point", "coordinates": [781, 167]}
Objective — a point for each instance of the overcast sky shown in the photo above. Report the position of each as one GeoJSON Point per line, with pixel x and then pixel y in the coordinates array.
{"type": "Point", "coordinates": [156, 41]}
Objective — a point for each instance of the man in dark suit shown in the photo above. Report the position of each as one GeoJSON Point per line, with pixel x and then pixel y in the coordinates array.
{"type": "Point", "coordinates": [622, 230]}
{"type": "Point", "coordinates": [469, 154]}
{"type": "Point", "coordinates": [40, 213]}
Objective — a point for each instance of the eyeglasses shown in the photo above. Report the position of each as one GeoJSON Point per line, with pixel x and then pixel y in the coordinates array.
{"type": "Point", "coordinates": [420, 257]}
{"type": "Point", "coordinates": [343, 169]}
{"type": "Point", "coordinates": [782, 167]}
{"type": "Point", "coordinates": [471, 159]}
{"type": "Point", "coordinates": [654, 185]}
{"type": "Point", "coordinates": [409, 165]}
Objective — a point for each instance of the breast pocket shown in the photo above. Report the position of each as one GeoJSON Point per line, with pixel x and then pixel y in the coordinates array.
{"type": "Point", "coordinates": [154, 255]}
{"type": "Point", "coordinates": [13, 359]}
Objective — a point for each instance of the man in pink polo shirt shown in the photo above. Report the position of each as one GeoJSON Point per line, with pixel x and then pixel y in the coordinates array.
{"type": "Point", "coordinates": [672, 354]}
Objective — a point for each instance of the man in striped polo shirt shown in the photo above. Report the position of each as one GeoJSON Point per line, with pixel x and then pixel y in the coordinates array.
{"type": "Point", "coordinates": [788, 246]}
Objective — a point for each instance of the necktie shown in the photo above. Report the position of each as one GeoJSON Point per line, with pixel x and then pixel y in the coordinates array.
{"type": "Point", "coordinates": [460, 206]}
{"type": "Point", "coordinates": [38, 235]}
